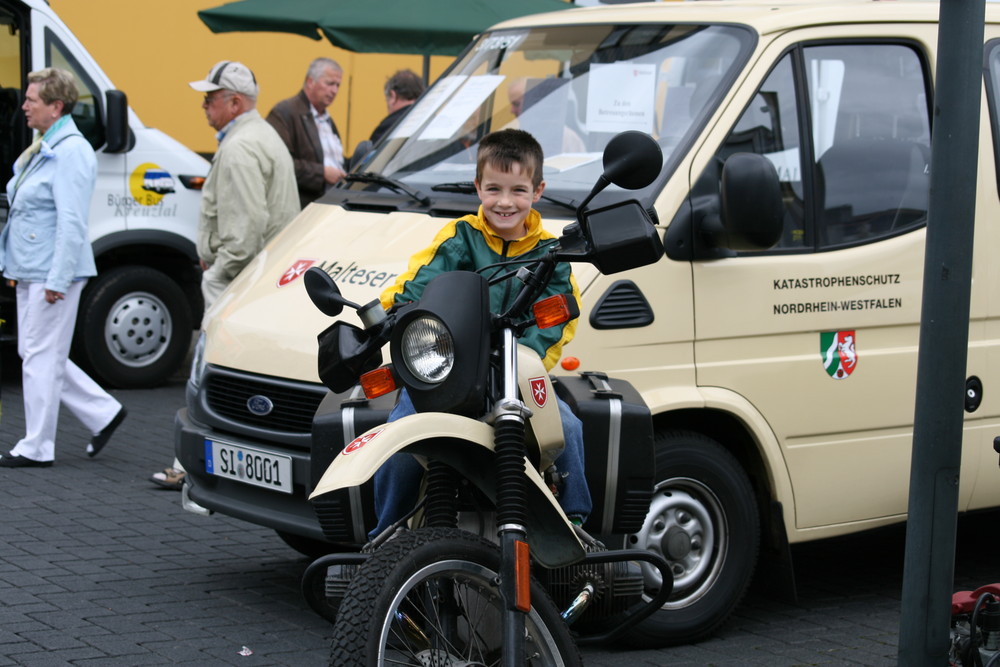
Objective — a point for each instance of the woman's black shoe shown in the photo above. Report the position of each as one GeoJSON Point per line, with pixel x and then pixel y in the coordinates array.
{"type": "Point", "coordinates": [22, 462]}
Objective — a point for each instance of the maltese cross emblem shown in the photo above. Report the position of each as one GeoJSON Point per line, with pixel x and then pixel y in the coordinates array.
{"type": "Point", "coordinates": [539, 393]}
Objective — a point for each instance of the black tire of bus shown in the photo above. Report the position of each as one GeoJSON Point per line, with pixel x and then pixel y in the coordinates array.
{"type": "Point", "coordinates": [106, 301]}
{"type": "Point", "coordinates": [704, 520]}
{"type": "Point", "coordinates": [423, 565]}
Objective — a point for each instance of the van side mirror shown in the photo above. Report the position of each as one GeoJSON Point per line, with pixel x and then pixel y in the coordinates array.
{"type": "Point", "coordinates": [117, 133]}
{"type": "Point", "coordinates": [752, 210]}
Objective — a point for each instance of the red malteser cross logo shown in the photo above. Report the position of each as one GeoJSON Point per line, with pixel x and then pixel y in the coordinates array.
{"type": "Point", "coordinates": [539, 393]}
{"type": "Point", "coordinates": [360, 441]}
{"type": "Point", "coordinates": [292, 273]}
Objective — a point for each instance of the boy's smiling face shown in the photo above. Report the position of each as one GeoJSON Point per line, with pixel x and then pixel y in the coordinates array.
{"type": "Point", "coordinates": [507, 198]}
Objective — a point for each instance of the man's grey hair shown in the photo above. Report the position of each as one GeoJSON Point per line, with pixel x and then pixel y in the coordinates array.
{"type": "Point", "coordinates": [318, 66]}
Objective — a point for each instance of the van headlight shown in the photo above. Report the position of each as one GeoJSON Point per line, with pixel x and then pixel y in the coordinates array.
{"type": "Point", "coordinates": [428, 349]}
{"type": "Point", "coordinates": [198, 361]}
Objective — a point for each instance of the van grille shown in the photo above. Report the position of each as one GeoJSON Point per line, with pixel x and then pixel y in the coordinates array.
{"type": "Point", "coordinates": [294, 406]}
{"type": "Point", "coordinates": [622, 306]}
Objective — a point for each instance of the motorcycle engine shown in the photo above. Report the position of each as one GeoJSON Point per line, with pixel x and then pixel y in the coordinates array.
{"type": "Point", "coordinates": [617, 586]}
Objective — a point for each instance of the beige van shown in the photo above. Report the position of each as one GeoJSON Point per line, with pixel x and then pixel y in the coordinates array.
{"type": "Point", "coordinates": [781, 380]}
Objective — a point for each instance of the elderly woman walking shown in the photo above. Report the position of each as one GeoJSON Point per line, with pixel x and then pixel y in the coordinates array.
{"type": "Point", "coordinates": [45, 248]}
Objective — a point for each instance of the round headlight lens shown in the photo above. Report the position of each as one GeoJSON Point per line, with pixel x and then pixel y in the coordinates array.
{"type": "Point", "coordinates": [428, 349]}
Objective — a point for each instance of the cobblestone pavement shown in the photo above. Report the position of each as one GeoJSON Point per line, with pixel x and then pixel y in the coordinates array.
{"type": "Point", "coordinates": [99, 567]}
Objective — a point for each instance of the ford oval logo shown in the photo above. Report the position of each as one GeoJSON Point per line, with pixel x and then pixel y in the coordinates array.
{"type": "Point", "coordinates": [260, 405]}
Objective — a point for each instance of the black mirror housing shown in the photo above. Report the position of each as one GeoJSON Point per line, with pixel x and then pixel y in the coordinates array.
{"type": "Point", "coordinates": [622, 237]}
{"type": "Point", "coordinates": [118, 135]}
{"type": "Point", "coordinates": [324, 293]}
{"type": "Point", "coordinates": [752, 208]}
{"type": "Point", "coordinates": [345, 353]}
{"type": "Point", "coordinates": [632, 160]}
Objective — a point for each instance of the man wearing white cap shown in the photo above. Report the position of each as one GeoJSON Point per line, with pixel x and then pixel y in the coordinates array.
{"type": "Point", "coordinates": [249, 195]}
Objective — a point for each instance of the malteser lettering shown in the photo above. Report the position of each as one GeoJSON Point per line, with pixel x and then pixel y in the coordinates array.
{"type": "Point", "coordinates": [352, 274]}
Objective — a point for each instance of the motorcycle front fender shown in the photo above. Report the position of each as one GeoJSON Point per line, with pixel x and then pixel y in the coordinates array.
{"type": "Point", "coordinates": [467, 446]}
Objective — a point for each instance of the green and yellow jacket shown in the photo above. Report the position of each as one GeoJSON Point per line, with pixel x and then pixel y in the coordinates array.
{"type": "Point", "coordinates": [468, 244]}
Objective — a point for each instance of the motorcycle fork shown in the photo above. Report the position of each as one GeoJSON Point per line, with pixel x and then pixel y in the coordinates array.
{"type": "Point", "coordinates": [511, 490]}
{"type": "Point", "coordinates": [440, 503]}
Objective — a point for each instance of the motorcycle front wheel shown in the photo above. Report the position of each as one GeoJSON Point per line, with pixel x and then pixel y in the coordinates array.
{"type": "Point", "coordinates": [430, 597]}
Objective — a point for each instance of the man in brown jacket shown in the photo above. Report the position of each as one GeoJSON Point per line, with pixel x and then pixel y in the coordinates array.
{"type": "Point", "coordinates": [311, 135]}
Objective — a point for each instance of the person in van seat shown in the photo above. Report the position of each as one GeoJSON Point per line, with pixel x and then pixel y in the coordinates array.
{"type": "Point", "coordinates": [249, 194]}
{"type": "Point", "coordinates": [508, 182]}
{"type": "Point", "coordinates": [401, 91]}
{"type": "Point", "coordinates": [539, 97]}
{"type": "Point", "coordinates": [45, 248]}
{"type": "Point", "coordinates": [308, 131]}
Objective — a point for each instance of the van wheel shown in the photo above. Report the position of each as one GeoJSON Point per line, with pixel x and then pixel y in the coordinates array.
{"type": "Point", "coordinates": [134, 327]}
{"type": "Point", "coordinates": [306, 545]}
{"type": "Point", "coordinates": [703, 519]}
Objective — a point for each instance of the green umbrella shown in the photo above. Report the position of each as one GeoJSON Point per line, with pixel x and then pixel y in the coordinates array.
{"type": "Point", "coordinates": [295, 16]}
{"type": "Point", "coordinates": [427, 27]}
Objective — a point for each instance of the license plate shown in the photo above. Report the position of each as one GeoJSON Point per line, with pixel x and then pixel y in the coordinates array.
{"type": "Point", "coordinates": [249, 465]}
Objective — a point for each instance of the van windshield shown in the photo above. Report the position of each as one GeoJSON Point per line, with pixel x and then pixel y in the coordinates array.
{"type": "Point", "coordinates": [573, 88]}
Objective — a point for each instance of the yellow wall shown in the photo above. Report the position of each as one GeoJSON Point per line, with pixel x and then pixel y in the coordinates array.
{"type": "Point", "coordinates": [152, 50]}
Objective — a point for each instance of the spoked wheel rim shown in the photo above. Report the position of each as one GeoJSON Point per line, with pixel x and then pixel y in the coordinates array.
{"type": "Point", "coordinates": [450, 614]}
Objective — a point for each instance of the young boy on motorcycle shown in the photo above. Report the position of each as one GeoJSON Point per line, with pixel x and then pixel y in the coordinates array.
{"type": "Point", "coordinates": [506, 227]}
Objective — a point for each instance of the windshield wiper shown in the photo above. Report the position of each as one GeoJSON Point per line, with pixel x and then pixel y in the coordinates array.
{"type": "Point", "coordinates": [469, 188]}
{"type": "Point", "coordinates": [462, 187]}
{"type": "Point", "coordinates": [386, 182]}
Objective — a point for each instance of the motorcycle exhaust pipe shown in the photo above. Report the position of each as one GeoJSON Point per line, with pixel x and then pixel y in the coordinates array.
{"type": "Point", "coordinates": [579, 604]}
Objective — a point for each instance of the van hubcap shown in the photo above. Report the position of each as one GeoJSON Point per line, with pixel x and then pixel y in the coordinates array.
{"type": "Point", "coordinates": [685, 525]}
{"type": "Point", "coordinates": [138, 329]}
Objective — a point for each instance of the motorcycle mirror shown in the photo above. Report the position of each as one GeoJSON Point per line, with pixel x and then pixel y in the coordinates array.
{"type": "Point", "coordinates": [632, 160]}
{"type": "Point", "coordinates": [324, 293]}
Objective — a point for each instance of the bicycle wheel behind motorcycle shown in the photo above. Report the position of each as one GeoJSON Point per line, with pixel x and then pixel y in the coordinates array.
{"type": "Point", "coordinates": [429, 597]}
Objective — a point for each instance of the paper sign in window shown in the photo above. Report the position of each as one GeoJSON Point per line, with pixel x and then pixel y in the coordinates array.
{"type": "Point", "coordinates": [461, 106]}
{"type": "Point", "coordinates": [620, 97]}
{"type": "Point", "coordinates": [427, 105]}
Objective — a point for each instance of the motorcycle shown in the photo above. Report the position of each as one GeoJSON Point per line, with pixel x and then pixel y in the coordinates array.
{"type": "Point", "coordinates": [487, 569]}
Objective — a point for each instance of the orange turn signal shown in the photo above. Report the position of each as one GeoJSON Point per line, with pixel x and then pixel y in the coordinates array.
{"type": "Point", "coordinates": [553, 311]}
{"type": "Point", "coordinates": [522, 576]}
{"type": "Point", "coordinates": [570, 363]}
{"type": "Point", "coordinates": [192, 182]}
{"type": "Point", "coordinates": [378, 382]}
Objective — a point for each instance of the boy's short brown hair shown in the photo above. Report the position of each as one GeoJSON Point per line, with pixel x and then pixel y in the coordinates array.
{"type": "Point", "coordinates": [501, 149]}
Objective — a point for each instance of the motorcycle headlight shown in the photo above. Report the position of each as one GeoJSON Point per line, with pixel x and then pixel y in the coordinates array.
{"type": "Point", "coordinates": [428, 349]}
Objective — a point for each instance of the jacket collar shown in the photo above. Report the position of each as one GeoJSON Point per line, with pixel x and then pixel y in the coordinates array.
{"type": "Point", "coordinates": [242, 119]}
{"type": "Point", "coordinates": [535, 233]}
{"type": "Point", "coordinates": [305, 104]}
{"type": "Point", "coordinates": [66, 127]}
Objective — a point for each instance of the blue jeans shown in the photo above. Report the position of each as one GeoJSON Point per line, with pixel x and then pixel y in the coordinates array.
{"type": "Point", "coordinates": [397, 482]}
